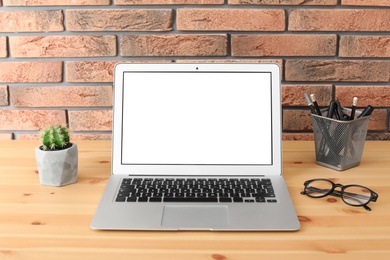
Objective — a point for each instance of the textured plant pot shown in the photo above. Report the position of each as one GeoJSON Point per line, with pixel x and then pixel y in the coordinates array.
{"type": "Point", "coordinates": [57, 168]}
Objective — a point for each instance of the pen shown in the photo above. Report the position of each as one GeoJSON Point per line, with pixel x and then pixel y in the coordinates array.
{"type": "Point", "coordinates": [366, 112]}
{"type": "Point", "coordinates": [313, 99]}
{"type": "Point", "coordinates": [313, 111]}
{"type": "Point", "coordinates": [354, 104]}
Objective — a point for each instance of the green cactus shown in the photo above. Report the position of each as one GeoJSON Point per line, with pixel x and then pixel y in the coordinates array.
{"type": "Point", "coordinates": [55, 137]}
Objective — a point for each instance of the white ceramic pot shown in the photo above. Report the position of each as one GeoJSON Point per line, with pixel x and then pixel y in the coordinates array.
{"type": "Point", "coordinates": [57, 168]}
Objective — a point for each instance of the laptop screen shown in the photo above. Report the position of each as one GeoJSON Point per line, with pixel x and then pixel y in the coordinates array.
{"type": "Point", "coordinates": [196, 118]}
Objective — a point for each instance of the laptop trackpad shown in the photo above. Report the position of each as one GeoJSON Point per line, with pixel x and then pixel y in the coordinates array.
{"type": "Point", "coordinates": [197, 217]}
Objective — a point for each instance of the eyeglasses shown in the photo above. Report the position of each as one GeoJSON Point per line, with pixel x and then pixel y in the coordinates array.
{"type": "Point", "coordinates": [353, 195]}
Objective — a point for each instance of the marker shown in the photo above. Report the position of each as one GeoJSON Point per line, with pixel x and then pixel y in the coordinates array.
{"type": "Point", "coordinates": [354, 104]}
{"type": "Point", "coordinates": [366, 112]}
{"type": "Point", "coordinates": [313, 99]}
{"type": "Point", "coordinates": [313, 111]}
{"type": "Point", "coordinates": [332, 108]}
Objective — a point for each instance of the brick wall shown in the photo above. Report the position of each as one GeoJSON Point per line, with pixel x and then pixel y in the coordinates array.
{"type": "Point", "coordinates": [57, 57]}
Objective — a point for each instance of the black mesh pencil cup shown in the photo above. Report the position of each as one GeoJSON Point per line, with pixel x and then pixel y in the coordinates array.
{"type": "Point", "coordinates": [339, 144]}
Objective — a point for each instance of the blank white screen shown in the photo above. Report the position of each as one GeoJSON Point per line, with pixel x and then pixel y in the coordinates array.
{"type": "Point", "coordinates": [197, 118]}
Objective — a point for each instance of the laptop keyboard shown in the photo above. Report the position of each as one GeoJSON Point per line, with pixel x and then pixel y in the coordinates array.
{"type": "Point", "coordinates": [229, 190]}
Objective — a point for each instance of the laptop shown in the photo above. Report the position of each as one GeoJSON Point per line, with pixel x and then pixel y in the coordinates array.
{"type": "Point", "coordinates": [196, 147]}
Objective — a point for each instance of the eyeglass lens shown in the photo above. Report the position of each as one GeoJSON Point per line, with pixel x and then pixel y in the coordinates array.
{"type": "Point", "coordinates": [318, 188]}
{"type": "Point", "coordinates": [356, 195]}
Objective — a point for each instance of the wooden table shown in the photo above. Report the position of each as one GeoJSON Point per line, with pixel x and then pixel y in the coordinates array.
{"type": "Point", "coordinates": [39, 222]}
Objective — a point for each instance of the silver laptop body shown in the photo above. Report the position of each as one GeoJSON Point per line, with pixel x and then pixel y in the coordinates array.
{"type": "Point", "coordinates": [194, 122]}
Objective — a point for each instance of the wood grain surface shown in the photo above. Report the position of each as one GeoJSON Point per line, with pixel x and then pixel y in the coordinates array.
{"type": "Point", "coordinates": [41, 222]}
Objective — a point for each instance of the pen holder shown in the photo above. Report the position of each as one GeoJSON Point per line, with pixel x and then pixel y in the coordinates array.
{"type": "Point", "coordinates": [339, 144]}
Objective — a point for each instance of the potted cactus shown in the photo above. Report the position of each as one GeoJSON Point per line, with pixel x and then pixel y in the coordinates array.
{"type": "Point", "coordinates": [57, 157]}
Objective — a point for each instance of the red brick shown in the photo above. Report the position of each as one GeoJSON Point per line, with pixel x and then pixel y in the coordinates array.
{"type": "Point", "coordinates": [35, 71]}
{"type": "Point", "coordinates": [3, 47]}
{"type": "Point", "coordinates": [4, 96]}
{"type": "Point", "coordinates": [297, 120]}
{"type": "Point", "coordinates": [230, 19]}
{"type": "Point", "coordinates": [365, 46]}
{"type": "Point", "coordinates": [378, 120]}
{"type": "Point", "coordinates": [77, 96]}
{"type": "Point", "coordinates": [62, 46]}
{"type": "Point", "coordinates": [119, 20]}
{"type": "Point", "coordinates": [54, 2]}
{"type": "Point", "coordinates": [282, 2]}
{"type": "Point", "coordinates": [174, 45]}
{"type": "Point", "coordinates": [376, 96]}
{"type": "Point", "coordinates": [339, 20]}
{"type": "Point", "coordinates": [90, 120]}
{"type": "Point", "coordinates": [96, 71]}
{"type": "Point", "coordinates": [283, 45]}
{"type": "Point", "coordinates": [90, 71]}
{"type": "Point", "coordinates": [167, 2]}
{"type": "Point", "coordinates": [378, 136]}
{"type": "Point", "coordinates": [337, 70]}
{"type": "Point", "coordinates": [30, 119]}
{"type": "Point", "coordinates": [292, 95]}
{"type": "Point", "coordinates": [366, 2]}
{"type": "Point", "coordinates": [31, 21]}
{"type": "Point", "coordinates": [298, 136]}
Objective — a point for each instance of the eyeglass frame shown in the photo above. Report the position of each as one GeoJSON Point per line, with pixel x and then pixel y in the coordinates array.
{"type": "Point", "coordinates": [339, 194]}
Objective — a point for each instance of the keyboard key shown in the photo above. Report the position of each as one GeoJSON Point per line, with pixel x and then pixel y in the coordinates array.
{"type": "Point", "coordinates": [237, 199]}
{"type": "Point", "coordinates": [260, 199]}
{"type": "Point", "coordinates": [224, 199]}
{"type": "Point", "coordinates": [172, 199]}
{"type": "Point", "coordinates": [272, 201]}
{"type": "Point", "coordinates": [131, 199]}
{"type": "Point", "coordinates": [155, 199]}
